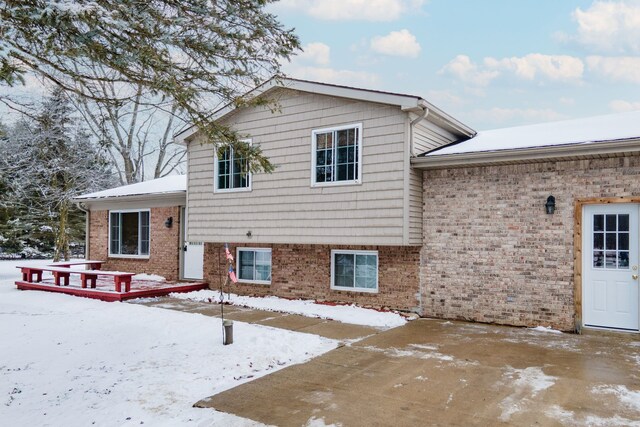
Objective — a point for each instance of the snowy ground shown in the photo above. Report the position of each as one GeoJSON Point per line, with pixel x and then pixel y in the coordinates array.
{"type": "Point", "coordinates": [74, 361]}
{"type": "Point", "coordinates": [342, 313]}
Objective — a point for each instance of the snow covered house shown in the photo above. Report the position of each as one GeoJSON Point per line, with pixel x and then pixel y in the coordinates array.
{"type": "Point", "coordinates": [384, 200]}
{"type": "Point", "coordinates": [535, 225]}
{"type": "Point", "coordinates": [141, 228]}
{"type": "Point", "coordinates": [340, 218]}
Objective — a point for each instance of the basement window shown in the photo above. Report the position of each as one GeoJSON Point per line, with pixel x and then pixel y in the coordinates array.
{"type": "Point", "coordinates": [254, 265]}
{"type": "Point", "coordinates": [354, 270]}
{"type": "Point", "coordinates": [129, 233]}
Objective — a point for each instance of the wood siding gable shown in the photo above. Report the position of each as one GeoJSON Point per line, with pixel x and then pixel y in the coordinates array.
{"type": "Point", "coordinates": [283, 207]}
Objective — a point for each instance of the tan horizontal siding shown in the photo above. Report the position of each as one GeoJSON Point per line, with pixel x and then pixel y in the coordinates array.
{"type": "Point", "coordinates": [415, 207]}
{"type": "Point", "coordinates": [427, 136]}
{"type": "Point", "coordinates": [282, 207]}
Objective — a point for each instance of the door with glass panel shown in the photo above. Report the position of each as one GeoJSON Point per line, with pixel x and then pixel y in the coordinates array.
{"type": "Point", "coordinates": [610, 266]}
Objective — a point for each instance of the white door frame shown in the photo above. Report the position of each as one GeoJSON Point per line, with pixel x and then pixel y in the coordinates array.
{"type": "Point", "coordinates": [184, 244]}
{"type": "Point", "coordinates": [611, 279]}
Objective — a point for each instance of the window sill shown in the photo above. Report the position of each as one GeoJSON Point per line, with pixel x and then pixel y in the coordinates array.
{"type": "Point", "coordinates": [334, 184]}
{"type": "Point", "coordinates": [232, 190]}
{"type": "Point", "coordinates": [253, 282]}
{"type": "Point", "coordinates": [129, 256]}
{"type": "Point", "coordinates": [364, 290]}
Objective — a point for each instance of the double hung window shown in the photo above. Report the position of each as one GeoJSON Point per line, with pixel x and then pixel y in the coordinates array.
{"type": "Point", "coordinates": [231, 171]}
{"type": "Point", "coordinates": [337, 155]}
{"type": "Point", "coordinates": [129, 233]}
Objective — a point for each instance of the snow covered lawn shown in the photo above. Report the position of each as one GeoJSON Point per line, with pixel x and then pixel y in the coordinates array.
{"type": "Point", "coordinates": [74, 361]}
{"type": "Point", "coordinates": [342, 313]}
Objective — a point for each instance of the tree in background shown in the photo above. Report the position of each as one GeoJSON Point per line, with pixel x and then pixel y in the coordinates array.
{"type": "Point", "coordinates": [45, 163]}
{"type": "Point", "coordinates": [197, 54]}
{"type": "Point", "coordinates": [137, 133]}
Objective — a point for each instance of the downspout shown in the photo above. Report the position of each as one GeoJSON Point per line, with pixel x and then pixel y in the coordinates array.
{"type": "Point", "coordinates": [87, 219]}
{"type": "Point", "coordinates": [425, 113]}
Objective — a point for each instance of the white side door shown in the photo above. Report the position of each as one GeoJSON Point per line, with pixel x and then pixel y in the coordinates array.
{"type": "Point", "coordinates": [610, 266]}
{"type": "Point", "coordinates": [192, 255]}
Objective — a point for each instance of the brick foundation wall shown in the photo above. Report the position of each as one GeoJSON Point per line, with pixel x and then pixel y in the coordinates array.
{"type": "Point", "coordinates": [304, 271]}
{"type": "Point", "coordinates": [492, 254]}
{"type": "Point", "coordinates": [164, 255]}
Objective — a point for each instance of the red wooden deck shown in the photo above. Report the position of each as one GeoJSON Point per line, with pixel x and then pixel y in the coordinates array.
{"type": "Point", "coordinates": [104, 289]}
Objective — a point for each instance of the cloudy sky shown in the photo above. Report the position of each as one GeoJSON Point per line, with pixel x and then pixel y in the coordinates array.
{"type": "Point", "coordinates": [490, 63]}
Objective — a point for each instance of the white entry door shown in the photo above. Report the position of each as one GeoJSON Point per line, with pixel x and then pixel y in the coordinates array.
{"type": "Point", "coordinates": [192, 255]}
{"type": "Point", "coordinates": [610, 266]}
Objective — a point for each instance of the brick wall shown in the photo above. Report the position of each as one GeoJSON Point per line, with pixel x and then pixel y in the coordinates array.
{"type": "Point", "coordinates": [490, 252]}
{"type": "Point", "coordinates": [164, 247]}
{"type": "Point", "coordinates": [304, 271]}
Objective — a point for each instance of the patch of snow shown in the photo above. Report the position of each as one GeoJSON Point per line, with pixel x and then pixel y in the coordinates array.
{"type": "Point", "coordinates": [629, 398]}
{"type": "Point", "coordinates": [547, 329]}
{"type": "Point", "coordinates": [319, 422]}
{"type": "Point", "coordinates": [151, 277]}
{"type": "Point", "coordinates": [424, 347]}
{"type": "Point", "coordinates": [342, 313]}
{"type": "Point", "coordinates": [418, 354]}
{"type": "Point", "coordinates": [570, 418]}
{"type": "Point", "coordinates": [527, 383]}
{"type": "Point", "coordinates": [421, 378]}
{"type": "Point", "coordinates": [167, 184]}
{"type": "Point", "coordinates": [578, 131]}
{"type": "Point", "coordinates": [77, 361]}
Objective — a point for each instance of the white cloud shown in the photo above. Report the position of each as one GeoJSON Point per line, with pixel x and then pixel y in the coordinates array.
{"type": "Point", "coordinates": [610, 26]}
{"type": "Point", "coordinates": [362, 10]}
{"type": "Point", "coordinates": [469, 72]}
{"type": "Point", "coordinates": [619, 68]}
{"type": "Point", "coordinates": [499, 116]}
{"type": "Point", "coordinates": [552, 67]}
{"type": "Point", "coordinates": [621, 106]}
{"type": "Point", "coordinates": [330, 75]}
{"type": "Point", "coordinates": [316, 53]}
{"type": "Point", "coordinates": [567, 101]}
{"type": "Point", "coordinates": [445, 97]}
{"type": "Point", "coordinates": [529, 67]}
{"type": "Point", "coordinates": [396, 43]}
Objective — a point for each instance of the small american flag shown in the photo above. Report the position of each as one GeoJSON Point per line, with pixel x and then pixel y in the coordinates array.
{"type": "Point", "coordinates": [227, 253]}
{"type": "Point", "coordinates": [232, 275]}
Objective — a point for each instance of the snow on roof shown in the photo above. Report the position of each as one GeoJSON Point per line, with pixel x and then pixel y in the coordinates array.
{"type": "Point", "coordinates": [610, 127]}
{"type": "Point", "coordinates": [166, 185]}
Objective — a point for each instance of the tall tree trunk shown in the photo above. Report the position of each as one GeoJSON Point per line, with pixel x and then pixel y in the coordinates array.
{"type": "Point", "coordinates": [61, 251]}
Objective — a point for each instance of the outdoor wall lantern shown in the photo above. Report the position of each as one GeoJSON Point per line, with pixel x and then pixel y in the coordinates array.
{"type": "Point", "coordinates": [550, 206]}
{"type": "Point", "coordinates": [249, 234]}
{"type": "Point", "coordinates": [169, 222]}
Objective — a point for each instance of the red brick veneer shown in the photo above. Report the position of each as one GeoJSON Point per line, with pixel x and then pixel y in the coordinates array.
{"type": "Point", "coordinates": [164, 257]}
{"type": "Point", "coordinates": [304, 271]}
{"type": "Point", "coordinates": [492, 254]}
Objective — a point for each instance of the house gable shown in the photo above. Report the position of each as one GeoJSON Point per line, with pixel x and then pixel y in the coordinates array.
{"type": "Point", "coordinates": [283, 207]}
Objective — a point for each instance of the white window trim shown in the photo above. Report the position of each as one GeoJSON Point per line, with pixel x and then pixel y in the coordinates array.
{"type": "Point", "coordinates": [215, 174]}
{"type": "Point", "coordinates": [354, 289]}
{"type": "Point", "coordinates": [112, 255]}
{"type": "Point", "coordinates": [314, 132]}
{"type": "Point", "coordinates": [258, 282]}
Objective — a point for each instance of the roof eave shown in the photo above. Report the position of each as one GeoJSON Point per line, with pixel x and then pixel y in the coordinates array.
{"type": "Point", "coordinates": [130, 197]}
{"type": "Point", "coordinates": [405, 102]}
{"type": "Point", "coordinates": [524, 155]}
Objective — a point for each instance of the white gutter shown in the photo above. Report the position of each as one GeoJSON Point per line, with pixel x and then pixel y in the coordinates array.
{"type": "Point", "coordinates": [589, 149]}
{"type": "Point", "coordinates": [421, 117]}
{"type": "Point", "coordinates": [87, 219]}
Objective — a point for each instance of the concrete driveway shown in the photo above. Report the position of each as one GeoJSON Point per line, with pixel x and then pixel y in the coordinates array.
{"type": "Point", "coordinates": [432, 372]}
